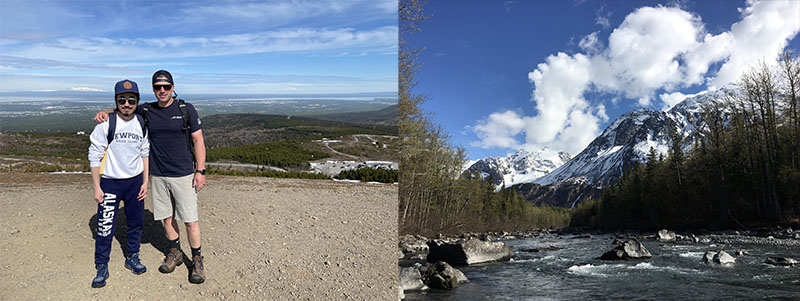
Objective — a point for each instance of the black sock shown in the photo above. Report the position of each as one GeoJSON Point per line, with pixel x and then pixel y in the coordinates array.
{"type": "Point", "coordinates": [195, 252]}
{"type": "Point", "coordinates": [175, 243]}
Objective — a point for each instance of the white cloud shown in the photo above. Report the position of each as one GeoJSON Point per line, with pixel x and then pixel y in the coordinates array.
{"type": "Point", "coordinates": [276, 12]}
{"type": "Point", "coordinates": [602, 18]}
{"type": "Point", "coordinates": [655, 49]}
{"type": "Point", "coordinates": [590, 43]}
{"type": "Point", "coordinates": [643, 52]}
{"type": "Point", "coordinates": [559, 87]}
{"type": "Point", "coordinates": [85, 89]}
{"type": "Point", "coordinates": [761, 35]}
{"type": "Point", "coordinates": [283, 40]}
{"type": "Point", "coordinates": [499, 129]}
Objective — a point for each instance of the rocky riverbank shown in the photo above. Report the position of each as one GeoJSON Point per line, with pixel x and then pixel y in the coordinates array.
{"type": "Point", "coordinates": [414, 249]}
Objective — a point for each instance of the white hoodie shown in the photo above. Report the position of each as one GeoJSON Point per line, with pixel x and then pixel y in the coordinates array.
{"type": "Point", "coordinates": [122, 160]}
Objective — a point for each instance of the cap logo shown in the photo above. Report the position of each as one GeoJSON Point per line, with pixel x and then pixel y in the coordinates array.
{"type": "Point", "coordinates": [127, 85]}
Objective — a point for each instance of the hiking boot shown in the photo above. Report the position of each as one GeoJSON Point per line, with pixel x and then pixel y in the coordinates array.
{"type": "Point", "coordinates": [132, 263]}
{"type": "Point", "coordinates": [174, 258]}
{"type": "Point", "coordinates": [102, 274]}
{"type": "Point", "coordinates": [198, 271]}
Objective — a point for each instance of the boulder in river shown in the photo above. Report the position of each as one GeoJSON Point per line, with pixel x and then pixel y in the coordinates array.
{"type": "Point", "coordinates": [781, 261]}
{"type": "Point", "coordinates": [411, 279]}
{"type": "Point", "coordinates": [718, 257]}
{"type": "Point", "coordinates": [708, 257]}
{"type": "Point", "coordinates": [466, 252]}
{"type": "Point", "coordinates": [627, 249]}
{"type": "Point", "coordinates": [441, 275]}
{"type": "Point", "coordinates": [724, 258]}
{"type": "Point", "coordinates": [666, 235]}
{"type": "Point", "coordinates": [413, 244]}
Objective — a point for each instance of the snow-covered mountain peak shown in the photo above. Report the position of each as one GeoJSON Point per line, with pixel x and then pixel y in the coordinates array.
{"type": "Point", "coordinates": [628, 140]}
{"type": "Point", "coordinates": [523, 166]}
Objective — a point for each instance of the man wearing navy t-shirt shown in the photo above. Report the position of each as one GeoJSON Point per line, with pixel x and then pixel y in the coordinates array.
{"type": "Point", "coordinates": [174, 180]}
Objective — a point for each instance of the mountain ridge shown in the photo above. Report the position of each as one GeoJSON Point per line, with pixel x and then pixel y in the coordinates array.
{"type": "Point", "coordinates": [623, 144]}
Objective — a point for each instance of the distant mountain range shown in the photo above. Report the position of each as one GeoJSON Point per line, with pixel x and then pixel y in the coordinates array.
{"type": "Point", "coordinates": [626, 141]}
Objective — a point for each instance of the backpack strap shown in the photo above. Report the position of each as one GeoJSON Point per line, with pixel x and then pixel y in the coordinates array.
{"type": "Point", "coordinates": [145, 114]}
{"type": "Point", "coordinates": [112, 127]}
{"type": "Point", "coordinates": [186, 128]}
{"type": "Point", "coordinates": [142, 124]}
{"type": "Point", "coordinates": [184, 114]}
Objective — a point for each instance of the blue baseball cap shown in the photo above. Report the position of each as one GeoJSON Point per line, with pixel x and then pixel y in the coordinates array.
{"type": "Point", "coordinates": [126, 85]}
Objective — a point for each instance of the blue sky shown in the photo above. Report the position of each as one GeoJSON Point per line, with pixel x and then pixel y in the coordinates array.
{"type": "Point", "coordinates": [250, 47]}
{"type": "Point", "coordinates": [506, 75]}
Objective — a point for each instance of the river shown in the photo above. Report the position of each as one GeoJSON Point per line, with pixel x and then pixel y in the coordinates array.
{"type": "Point", "coordinates": [675, 272]}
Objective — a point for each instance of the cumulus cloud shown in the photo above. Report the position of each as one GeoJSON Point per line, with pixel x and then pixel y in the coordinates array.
{"type": "Point", "coordinates": [655, 50]}
{"type": "Point", "coordinates": [560, 84]}
{"type": "Point", "coordinates": [765, 28]}
{"type": "Point", "coordinates": [499, 129]}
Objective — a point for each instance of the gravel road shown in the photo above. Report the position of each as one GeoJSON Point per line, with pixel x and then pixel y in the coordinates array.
{"type": "Point", "coordinates": [263, 238]}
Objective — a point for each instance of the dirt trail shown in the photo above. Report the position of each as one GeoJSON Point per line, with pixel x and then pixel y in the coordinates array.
{"type": "Point", "coordinates": [263, 238]}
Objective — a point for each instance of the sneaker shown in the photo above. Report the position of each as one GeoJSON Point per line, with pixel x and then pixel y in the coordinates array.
{"type": "Point", "coordinates": [132, 263]}
{"type": "Point", "coordinates": [174, 258]}
{"type": "Point", "coordinates": [102, 274]}
{"type": "Point", "coordinates": [198, 271]}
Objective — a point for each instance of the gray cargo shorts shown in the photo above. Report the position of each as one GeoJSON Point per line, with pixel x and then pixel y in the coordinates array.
{"type": "Point", "coordinates": [174, 196]}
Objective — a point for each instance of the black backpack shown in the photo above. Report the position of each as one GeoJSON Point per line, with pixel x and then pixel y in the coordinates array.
{"type": "Point", "coordinates": [184, 115]}
{"type": "Point", "coordinates": [112, 126]}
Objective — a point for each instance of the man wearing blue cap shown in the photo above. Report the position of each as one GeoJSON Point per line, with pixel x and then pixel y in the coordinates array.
{"type": "Point", "coordinates": [177, 145]}
{"type": "Point", "coordinates": [118, 157]}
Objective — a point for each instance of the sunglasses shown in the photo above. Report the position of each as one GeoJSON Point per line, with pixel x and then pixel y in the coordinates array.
{"type": "Point", "coordinates": [159, 87]}
{"type": "Point", "coordinates": [130, 100]}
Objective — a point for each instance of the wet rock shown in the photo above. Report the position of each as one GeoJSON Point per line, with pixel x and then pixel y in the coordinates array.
{"type": "Point", "coordinates": [466, 252]}
{"type": "Point", "coordinates": [708, 257]}
{"type": "Point", "coordinates": [718, 257]}
{"type": "Point", "coordinates": [666, 235]}
{"type": "Point", "coordinates": [441, 276]}
{"type": "Point", "coordinates": [724, 258]}
{"type": "Point", "coordinates": [460, 276]}
{"type": "Point", "coordinates": [413, 244]}
{"type": "Point", "coordinates": [627, 249]}
{"type": "Point", "coordinates": [411, 279]}
{"type": "Point", "coordinates": [781, 261]}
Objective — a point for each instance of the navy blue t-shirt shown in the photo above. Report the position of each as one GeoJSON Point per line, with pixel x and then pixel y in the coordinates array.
{"type": "Point", "coordinates": [169, 148]}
